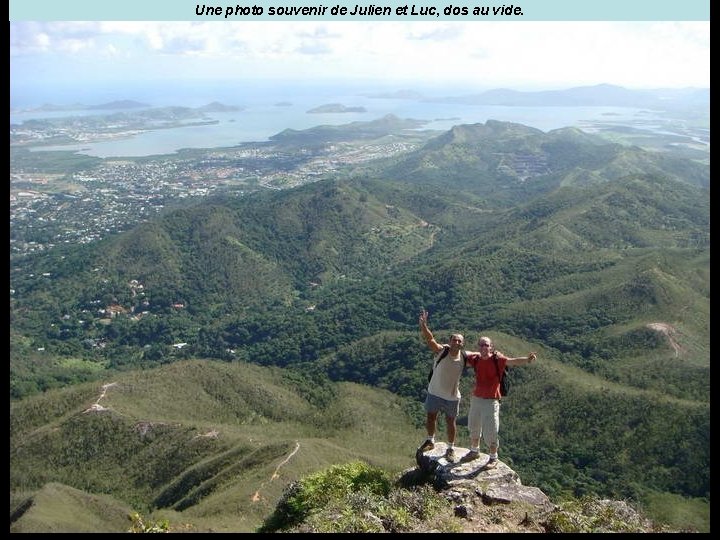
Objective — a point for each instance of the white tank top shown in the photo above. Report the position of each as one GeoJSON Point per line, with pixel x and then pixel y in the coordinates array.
{"type": "Point", "coordinates": [446, 377]}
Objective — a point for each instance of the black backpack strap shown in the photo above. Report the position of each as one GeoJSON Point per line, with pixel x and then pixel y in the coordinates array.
{"type": "Point", "coordinates": [497, 369]}
{"type": "Point", "coordinates": [443, 354]}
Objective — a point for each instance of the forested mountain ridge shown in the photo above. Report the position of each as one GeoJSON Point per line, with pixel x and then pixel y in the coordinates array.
{"type": "Point", "coordinates": [596, 95]}
{"type": "Point", "coordinates": [234, 260]}
{"type": "Point", "coordinates": [608, 277]}
{"type": "Point", "coordinates": [213, 275]}
{"type": "Point", "coordinates": [508, 164]}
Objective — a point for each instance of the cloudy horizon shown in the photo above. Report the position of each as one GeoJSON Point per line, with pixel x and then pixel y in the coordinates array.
{"type": "Point", "coordinates": [528, 55]}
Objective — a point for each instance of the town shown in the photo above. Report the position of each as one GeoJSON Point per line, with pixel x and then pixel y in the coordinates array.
{"type": "Point", "coordinates": [48, 209]}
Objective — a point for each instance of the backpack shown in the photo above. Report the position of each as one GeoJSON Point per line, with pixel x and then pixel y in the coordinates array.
{"type": "Point", "coordinates": [504, 378]}
{"type": "Point", "coordinates": [443, 354]}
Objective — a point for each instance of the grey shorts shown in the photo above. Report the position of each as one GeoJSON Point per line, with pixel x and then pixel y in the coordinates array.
{"type": "Point", "coordinates": [435, 404]}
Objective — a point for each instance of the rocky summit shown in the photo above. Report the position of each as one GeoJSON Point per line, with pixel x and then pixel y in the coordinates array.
{"type": "Point", "coordinates": [495, 500]}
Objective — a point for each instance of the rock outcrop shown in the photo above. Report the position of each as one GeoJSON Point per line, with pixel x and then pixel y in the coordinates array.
{"type": "Point", "coordinates": [471, 486]}
{"type": "Point", "coordinates": [498, 485]}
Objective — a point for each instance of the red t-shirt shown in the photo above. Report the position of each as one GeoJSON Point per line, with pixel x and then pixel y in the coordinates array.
{"type": "Point", "coordinates": [487, 378]}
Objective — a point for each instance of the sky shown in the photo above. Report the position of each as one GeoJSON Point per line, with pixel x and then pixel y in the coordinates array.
{"type": "Point", "coordinates": [523, 55]}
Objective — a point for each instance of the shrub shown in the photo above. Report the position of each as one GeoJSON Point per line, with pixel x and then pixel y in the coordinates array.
{"type": "Point", "coordinates": [320, 490]}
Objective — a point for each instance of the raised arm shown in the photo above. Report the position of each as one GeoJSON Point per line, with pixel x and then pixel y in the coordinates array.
{"type": "Point", "coordinates": [427, 334]}
{"type": "Point", "coordinates": [522, 360]}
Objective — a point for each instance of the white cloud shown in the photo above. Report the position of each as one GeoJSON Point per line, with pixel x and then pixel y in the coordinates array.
{"type": "Point", "coordinates": [484, 54]}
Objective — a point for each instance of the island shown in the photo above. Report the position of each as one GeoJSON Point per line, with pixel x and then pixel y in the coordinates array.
{"type": "Point", "coordinates": [336, 108]}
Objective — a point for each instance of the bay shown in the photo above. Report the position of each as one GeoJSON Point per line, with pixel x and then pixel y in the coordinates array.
{"type": "Point", "coordinates": [268, 110]}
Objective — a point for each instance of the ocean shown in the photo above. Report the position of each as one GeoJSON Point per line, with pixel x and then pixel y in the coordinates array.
{"type": "Point", "coordinates": [269, 108]}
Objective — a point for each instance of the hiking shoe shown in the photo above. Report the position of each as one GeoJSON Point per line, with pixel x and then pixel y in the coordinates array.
{"type": "Point", "coordinates": [450, 455]}
{"type": "Point", "coordinates": [427, 445]}
{"type": "Point", "coordinates": [471, 455]}
{"type": "Point", "coordinates": [492, 463]}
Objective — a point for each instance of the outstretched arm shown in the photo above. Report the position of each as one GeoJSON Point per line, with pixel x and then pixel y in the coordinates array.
{"type": "Point", "coordinates": [522, 360]}
{"type": "Point", "coordinates": [427, 334]}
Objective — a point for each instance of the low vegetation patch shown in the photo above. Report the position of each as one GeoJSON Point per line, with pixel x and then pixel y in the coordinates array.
{"type": "Point", "coordinates": [353, 497]}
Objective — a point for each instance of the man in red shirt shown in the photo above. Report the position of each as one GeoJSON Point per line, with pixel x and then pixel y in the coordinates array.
{"type": "Point", "coordinates": [484, 415]}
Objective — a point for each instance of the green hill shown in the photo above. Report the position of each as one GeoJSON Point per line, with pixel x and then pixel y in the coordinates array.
{"type": "Point", "coordinates": [507, 164]}
{"type": "Point", "coordinates": [320, 135]}
{"type": "Point", "coordinates": [215, 442]}
{"type": "Point", "coordinates": [57, 508]}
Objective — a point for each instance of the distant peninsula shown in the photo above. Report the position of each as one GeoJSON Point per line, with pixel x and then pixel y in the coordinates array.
{"type": "Point", "coordinates": [113, 105]}
{"type": "Point", "coordinates": [127, 104]}
{"type": "Point", "coordinates": [336, 108]}
{"type": "Point", "coordinates": [399, 94]}
{"type": "Point", "coordinates": [117, 105]}
{"type": "Point", "coordinates": [219, 107]}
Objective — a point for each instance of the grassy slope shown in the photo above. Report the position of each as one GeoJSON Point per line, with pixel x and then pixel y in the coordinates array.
{"type": "Point", "coordinates": [60, 508]}
{"type": "Point", "coordinates": [215, 442]}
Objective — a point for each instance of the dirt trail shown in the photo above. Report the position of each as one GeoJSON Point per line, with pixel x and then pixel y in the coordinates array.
{"type": "Point", "coordinates": [96, 406]}
{"type": "Point", "coordinates": [212, 434]}
{"type": "Point", "coordinates": [256, 497]}
{"type": "Point", "coordinates": [669, 333]}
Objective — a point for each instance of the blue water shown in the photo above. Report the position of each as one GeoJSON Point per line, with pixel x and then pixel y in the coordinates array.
{"type": "Point", "coordinates": [262, 115]}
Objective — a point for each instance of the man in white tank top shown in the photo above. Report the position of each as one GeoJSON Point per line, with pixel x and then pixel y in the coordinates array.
{"type": "Point", "coordinates": [443, 392]}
